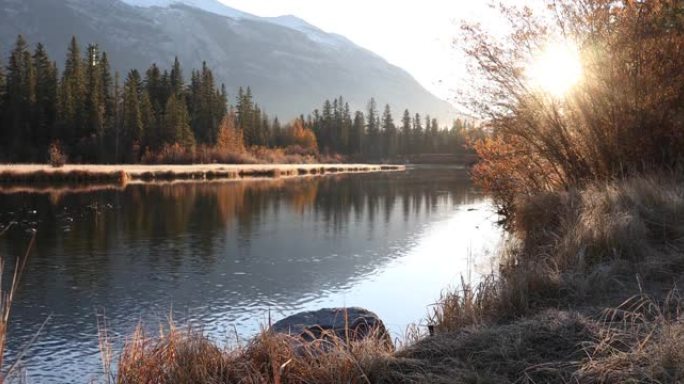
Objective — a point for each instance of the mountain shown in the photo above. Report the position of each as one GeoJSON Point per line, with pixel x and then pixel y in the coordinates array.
{"type": "Point", "coordinates": [212, 6]}
{"type": "Point", "coordinates": [291, 66]}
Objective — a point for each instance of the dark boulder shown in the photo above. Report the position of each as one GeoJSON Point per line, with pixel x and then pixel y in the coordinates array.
{"type": "Point", "coordinates": [348, 324]}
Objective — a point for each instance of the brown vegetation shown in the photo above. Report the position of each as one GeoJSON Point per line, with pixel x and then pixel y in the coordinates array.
{"type": "Point", "coordinates": [6, 299]}
{"type": "Point", "coordinates": [590, 186]}
{"type": "Point", "coordinates": [187, 356]}
{"type": "Point", "coordinates": [56, 157]}
{"type": "Point", "coordinates": [623, 118]}
{"type": "Point", "coordinates": [586, 293]}
{"type": "Point", "coordinates": [43, 177]}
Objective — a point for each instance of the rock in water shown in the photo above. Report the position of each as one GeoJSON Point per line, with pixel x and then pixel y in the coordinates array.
{"type": "Point", "coordinates": [352, 323]}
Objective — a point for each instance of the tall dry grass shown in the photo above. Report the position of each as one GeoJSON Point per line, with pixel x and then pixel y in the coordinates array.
{"type": "Point", "coordinates": [6, 299]}
{"type": "Point", "coordinates": [584, 294]}
{"type": "Point", "coordinates": [186, 355]}
{"type": "Point", "coordinates": [572, 246]}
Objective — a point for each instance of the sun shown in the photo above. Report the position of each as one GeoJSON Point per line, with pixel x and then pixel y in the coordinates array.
{"type": "Point", "coordinates": [556, 70]}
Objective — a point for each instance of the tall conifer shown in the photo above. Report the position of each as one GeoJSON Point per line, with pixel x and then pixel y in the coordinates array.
{"type": "Point", "coordinates": [45, 112]}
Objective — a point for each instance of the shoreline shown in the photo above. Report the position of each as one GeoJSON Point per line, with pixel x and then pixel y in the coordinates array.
{"type": "Point", "coordinates": [12, 175]}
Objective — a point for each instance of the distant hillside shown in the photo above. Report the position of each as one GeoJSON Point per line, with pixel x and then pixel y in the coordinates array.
{"type": "Point", "coordinates": [291, 66]}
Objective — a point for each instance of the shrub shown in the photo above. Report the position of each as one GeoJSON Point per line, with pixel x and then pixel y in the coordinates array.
{"type": "Point", "coordinates": [624, 117]}
{"type": "Point", "coordinates": [56, 157]}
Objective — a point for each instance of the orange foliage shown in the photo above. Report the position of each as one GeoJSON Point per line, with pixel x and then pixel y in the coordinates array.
{"type": "Point", "coordinates": [302, 136]}
{"type": "Point", "coordinates": [229, 136]}
{"type": "Point", "coordinates": [626, 116]}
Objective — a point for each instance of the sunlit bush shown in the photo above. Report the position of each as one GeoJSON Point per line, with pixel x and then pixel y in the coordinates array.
{"type": "Point", "coordinates": [624, 116]}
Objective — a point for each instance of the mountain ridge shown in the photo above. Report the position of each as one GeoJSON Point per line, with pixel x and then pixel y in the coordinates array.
{"type": "Point", "coordinates": [290, 72]}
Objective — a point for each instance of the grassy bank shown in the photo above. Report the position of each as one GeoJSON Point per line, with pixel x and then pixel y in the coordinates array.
{"type": "Point", "coordinates": [586, 293]}
{"type": "Point", "coordinates": [121, 174]}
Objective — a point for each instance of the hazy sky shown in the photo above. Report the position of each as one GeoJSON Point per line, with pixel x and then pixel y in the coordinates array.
{"type": "Point", "coordinates": [415, 35]}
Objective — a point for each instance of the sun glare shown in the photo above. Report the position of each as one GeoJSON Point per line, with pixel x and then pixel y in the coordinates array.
{"type": "Point", "coordinates": [556, 70]}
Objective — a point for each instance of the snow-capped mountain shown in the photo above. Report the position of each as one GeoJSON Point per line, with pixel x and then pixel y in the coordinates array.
{"type": "Point", "coordinates": [212, 6]}
{"type": "Point", "coordinates": [291, 65]}
{"type": "Point", "coordinates": [216, 7]}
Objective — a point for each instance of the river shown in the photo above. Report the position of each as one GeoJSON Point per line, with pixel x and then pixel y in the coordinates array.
{"type": "Point", "coordinates": [226, 256]}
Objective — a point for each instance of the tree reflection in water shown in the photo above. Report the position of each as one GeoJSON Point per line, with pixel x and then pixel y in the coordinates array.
{"type": "Point", "coordinates": [219, 252]}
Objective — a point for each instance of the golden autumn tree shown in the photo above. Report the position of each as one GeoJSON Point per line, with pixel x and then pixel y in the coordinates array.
{"type": "Point", "coordinates": [230, 137]}
{"type": "Point", "coordinates": [624, 115]}
{"type": "Point", "coordinates": [301, 136]}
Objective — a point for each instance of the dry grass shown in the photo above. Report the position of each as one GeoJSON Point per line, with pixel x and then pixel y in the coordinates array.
{"type": "Point", "coordinates": [585, 295]}
{"type": "Point", "coordinates": [33, 174]}
{"type": "Point", "coordinates": [6, 299]}
{"type": "Point", "coordinates": [187, 356]}
{"type": "Point", "coordinates": [176, 154]}
{"type": "Point", "coordinates": [634, 220]}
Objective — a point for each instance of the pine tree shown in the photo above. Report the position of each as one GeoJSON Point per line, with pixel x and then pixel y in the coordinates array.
{"type": "Point", "coordinates": [356, 134]}
{"type": "Point", "coordinates": [345, 130]}
{"type": "Point", "coordinates": [373, 149]}
{"type": "Point", "coordinates": [176, 78]}
{"type": "Point", "coordinates": [153, 85]}
{"type": "Point", "coordinates": [434, 135]}
{"type": "Point", "coordinates": [207, 105]}
{"type": "Point", "coordinates": [212, 110]}
{"type": "Point", "coordinates": [245, 115]}
{"type": "Point", "coordinates": [427, 135]}
{"type": "Point", "coordinates": [109, 103]}
{"type": "Point", "coordinates": [45, 113]}
{"type": "Point", "coordinates": [265, 129]}
{"type": "Point", "coordinates": [389, 131]}
{"type": "Point", "coordinates": [2, 97]}
{"type": "Point", "coordinates": [149, 121]}
{"type": "Point", "coordinates": [132, 115]}
{"type": "Point", "coordinates": [95, 98]}
{"type": "Point", "coordinates": [259, 131]}
{"type": "Point", "coordinates": [336, 131]}
{"type": "Point", "coordinates": [117, 119]}
{"type": "Point", "coordinates": [276, 134]}
{"type": "Point", "coordinates": [326, 125]}
{"type": "Point", "coordinates": [417, 134]}
{"type": "Point", "coordinates": [71, 97]}
{"type": "Point", "coordinates": [176, 123]}
{"type": "Point", "coordinates": [405, 139]}
{"type": "Point", "coordinates": [21, 97]}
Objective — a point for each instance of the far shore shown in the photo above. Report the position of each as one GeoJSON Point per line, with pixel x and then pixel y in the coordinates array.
{"type": "Point", "coordinates": [22, 174]}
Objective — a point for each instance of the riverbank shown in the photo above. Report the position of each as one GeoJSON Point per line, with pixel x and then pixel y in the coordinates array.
{"type": "Point", "coordinates": [23, 174]}
{"type": "Point", "coordinates": [586, 293]}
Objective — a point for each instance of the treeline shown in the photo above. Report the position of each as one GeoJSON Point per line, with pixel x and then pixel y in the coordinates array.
{"type": "Point", "coordinates": [376, 136]}
{"type": "Point", "coordinates": [94, 116]}
{"type": "Point", "coordinates": [365, 134]}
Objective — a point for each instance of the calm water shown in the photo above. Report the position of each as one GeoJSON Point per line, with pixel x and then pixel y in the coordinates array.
{"type": "Point", "coordinates": [225, 254]}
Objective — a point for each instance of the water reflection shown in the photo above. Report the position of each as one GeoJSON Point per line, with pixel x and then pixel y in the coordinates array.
{"type": "Point", "coordinates": [222, 253]}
